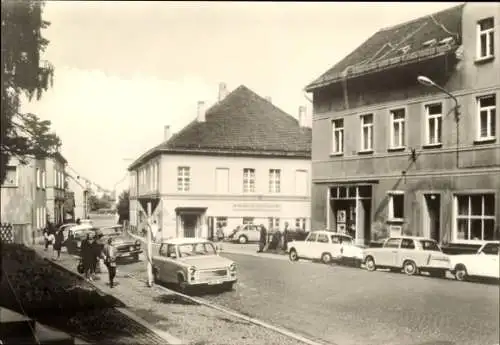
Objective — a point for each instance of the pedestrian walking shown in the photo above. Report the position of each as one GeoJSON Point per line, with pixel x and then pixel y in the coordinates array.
{"type": "Point", "coordinates": [285, 237]}
{"type": "Point", "coordinates": [58, 241]}
{"type": "Point", "coordinates": [110, 261]}
{"type": "Point", "coordinates": [94, 256]}
{"type": "Point", "coordinates": [263, 239]}
{"type": "Point", "coordinates": [86, 255]}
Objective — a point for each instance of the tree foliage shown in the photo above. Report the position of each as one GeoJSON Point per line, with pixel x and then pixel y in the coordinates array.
{"type": "Point", "coordinates": [98, 203]}
{"type": "Point", "coordinates": [24, 74]}
{"type": "Point", "coordinates": [123, 206]}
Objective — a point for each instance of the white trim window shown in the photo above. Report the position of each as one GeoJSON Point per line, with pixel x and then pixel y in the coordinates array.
{"type": "Point", "coordinates": [433, 123]}
{"type": "Point", "coordinates": [396, 206]}
{"type": "Point", "coordinates": [44, 179]}
{"type": "Point", "coordinates": [300, 223]}
{"type": "Point", "coordinates": [338, 136]}
{"type": "Point", "coordinates": [248, 180]}
{"type": "Point", "coordinates": [486, 119]}
{"type": "Point", "coordinates": [220, 222]}
{"type": "Point", "coordinates": [398, 128]}
{"type": "Point", "coordinates": [183, 179]}
{"type": "Point", "coordinates": [474, 217]}
{"type": "Point", "coordinates": [485, 38]}
{"type": "Point", "coordinates": [274, 223]}
{"type": "Point", "coordinates": [274, 180]}
{"type": "Point", "coordinates": [248, 220]}
{"type": "Point", "coordinates": [38, 178]}
{"type": "Point", "coordinates": [11, 176]}
{"type": "Point", "coordinates": [367, 132]}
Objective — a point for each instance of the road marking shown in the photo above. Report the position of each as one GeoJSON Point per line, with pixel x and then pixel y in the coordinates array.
{"type": "Point", "coordinates": [236, 314]}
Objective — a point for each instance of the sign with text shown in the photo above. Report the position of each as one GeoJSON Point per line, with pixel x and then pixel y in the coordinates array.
{"type": "Point", "coordinates": [256, 207]}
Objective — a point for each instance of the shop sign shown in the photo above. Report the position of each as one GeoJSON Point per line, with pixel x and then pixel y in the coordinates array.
{"type": "Point", "coordinates": [256, 207]}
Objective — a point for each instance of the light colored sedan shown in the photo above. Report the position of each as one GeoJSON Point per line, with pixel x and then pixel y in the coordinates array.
{"type": "Point", "coordinates": [326, 246]}
{"type": "Point", "coordinates": [247, 233]}
{"type": "Point", "coordinates": [484, 263]}
{"type": "Point", "coordinates": [409, 253]}
{"type": "Point", "coordinates": [192, 262]}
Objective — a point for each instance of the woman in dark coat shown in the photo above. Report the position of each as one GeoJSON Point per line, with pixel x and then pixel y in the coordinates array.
{"type": "Point", "coordinates": [59, 238]}
{"type": "Point", "coordinates": [86, 255]}
{"type": "Point", "coordinates": [263, 239]}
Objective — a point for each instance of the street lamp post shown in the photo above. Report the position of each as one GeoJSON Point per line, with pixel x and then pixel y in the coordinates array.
{"type": "Point", "coordinates": [429, 82]}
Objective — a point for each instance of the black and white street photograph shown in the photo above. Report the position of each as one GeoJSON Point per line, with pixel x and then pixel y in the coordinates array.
{"type": "Point", "coordinates": [250, 173]}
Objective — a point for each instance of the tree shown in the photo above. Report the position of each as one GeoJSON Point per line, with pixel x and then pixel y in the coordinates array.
{"type": "Point", "coordinates": [23, 73]}
{"type": "Point", "coordinates": [123, 207]}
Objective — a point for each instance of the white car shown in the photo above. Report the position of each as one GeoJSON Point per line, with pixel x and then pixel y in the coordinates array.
{"type": "Point", "coordinates": [326, 246]}
{"type": "Point", "coordinates": [484, 263]}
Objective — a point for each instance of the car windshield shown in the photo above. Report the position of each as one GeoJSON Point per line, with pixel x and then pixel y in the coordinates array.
{"type": "Point", "coordinates": [430, 245]}
{"type": "Point", "coordinates": [196, 249]}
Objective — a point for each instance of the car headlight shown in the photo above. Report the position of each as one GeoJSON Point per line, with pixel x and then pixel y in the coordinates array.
{"type": "Point", "coordinates": [192, 270]}
{"type": "Point", "coordinates": [137, 243]}
{"type": "Point", "coordinates": [232, 268]}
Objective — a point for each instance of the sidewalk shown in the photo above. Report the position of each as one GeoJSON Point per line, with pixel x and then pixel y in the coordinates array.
{"type": "Point", "coordinates": [180, 317]}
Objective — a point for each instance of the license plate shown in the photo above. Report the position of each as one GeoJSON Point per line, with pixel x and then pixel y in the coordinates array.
{"type": "Point", "coordinates": [215, 282]}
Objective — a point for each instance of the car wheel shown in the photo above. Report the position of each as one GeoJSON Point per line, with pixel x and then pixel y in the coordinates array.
{"type": "Point", "coordinates": [326, 258]}
{"type": "Point", "coordinates": [370, 264]}
{"type": "Point", "coordinates": [293, 255]}
{"type": "Point", "coordinates": [461, 273]}
{"type": "Point", "coordinates": [410, 268]}
{"type": "Point", "coordinates": [242, 239]}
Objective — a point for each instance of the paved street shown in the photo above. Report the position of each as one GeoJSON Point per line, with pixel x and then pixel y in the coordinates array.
{"type": "Point", "coordinates": [347, 306]}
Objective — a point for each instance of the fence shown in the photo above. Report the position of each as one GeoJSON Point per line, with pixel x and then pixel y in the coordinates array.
{"type": "Point", "coordinates": [17, 233]}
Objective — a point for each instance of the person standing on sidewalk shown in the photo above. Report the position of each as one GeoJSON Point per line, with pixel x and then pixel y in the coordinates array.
{"type": "Point", "coordinates": [285, 237]}
{"type": "Point", "coordinates": [86, 255]}
{"type": "Point", "coordinates": [58, 241]}
{"type": "Point", "coordinates": [110, 261]}
{"type": "Point", "coordinates": [263, 239]}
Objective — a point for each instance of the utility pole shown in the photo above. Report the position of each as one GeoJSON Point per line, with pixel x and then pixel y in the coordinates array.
{"type": "Point", "coordinates": [149, 266]}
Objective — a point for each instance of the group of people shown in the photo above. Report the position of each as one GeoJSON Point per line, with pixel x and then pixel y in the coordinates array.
{"type": "Point", "coordinates": [278, 240]}
{"type": "Point", "coordinates": [92, 251]}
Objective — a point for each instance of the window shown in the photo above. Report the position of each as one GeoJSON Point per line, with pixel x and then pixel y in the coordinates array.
{"type": "Point", "coordinates": [367, 132]}
{"type": "Point", "coordinates": [397, 128]}
{"type": "Point", "coordinates": [396, 205]}
{"type": "Point", "coordinates": [56, 178]}
{"type": "Point", "coordinates": [486, 117]}
{"type": "Point", "coordinates": [346, 239]}
{"type": "Point", "coordinates": [338, 136]}
{"type": "Point", "coordinates": [392, 243]}
{"type": "Point", "coordinates": [11, 177]}
{"type": "Point", "coordinates": [221, 222]}
{"type": "Point", "coordinates": [274, 180]}
{"type": "Point", "coordinates": [322, 238]}
{"type": "Point", "coordinates": [300, 223]}
{"type": "Point", "coordinates": [183, 179]}
{"type": "Point", "coordinates": [301, 182]}
{"type": "Point", "coordinates": [485, 39]}
{"type": "Point", "coordinates": [222, 180]}
{"type": "Point", "coordinates": [430, 245]}
{"type": "Point", "coordinates": [311, 237]}
{"type": "Point", "coordinates": [407, 243]}
{"type": "Point", "coordinates": [336, 239]}
{"type": "Point", "coordinates": [44, 179]}
{"type": "Point", "coordinates": [434, 116]}
{"type": "Point", "coordinates": [274, 223]}
{"type": "Point", "coordinates": [490, 249]}
{"type": "Point", "coordinates": [248, 220]}
{"type": "Point", "coordinates": [38, 178]}
{"type": "Point", "coordinates": [248, 180]}
{"type": "Point", "coordinates": [475, 217]}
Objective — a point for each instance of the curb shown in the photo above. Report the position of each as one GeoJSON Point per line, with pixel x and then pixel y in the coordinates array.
{"type": "Point", "coordinates": [169, 339]}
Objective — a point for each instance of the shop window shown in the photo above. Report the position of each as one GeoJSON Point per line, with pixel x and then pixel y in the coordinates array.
{"type": "Point", "coordinates": [475, 217]}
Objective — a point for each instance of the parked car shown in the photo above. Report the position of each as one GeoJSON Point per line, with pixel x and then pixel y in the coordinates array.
{"type": "Point", "coordinates": [247, 233]}
{"type": "Point", "coordinates": [126, 246]}
{"type": "Point", "coordinates": [484, 263]}
{"type": "Point", "coordinates": [65, 229]}
{"type": "Point", "coordinates": [193, 262]}
{"type": "Point", "coordinates": [410, 253]}
{"type": "Point", "coordinates": [76, 234]}
{"type": "Point", "coordinates": [326, 246]}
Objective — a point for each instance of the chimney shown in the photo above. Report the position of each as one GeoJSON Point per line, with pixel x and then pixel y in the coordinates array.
{"type": "Point", "coordinates": [222, 91]}
{"type": "Point", "coordinates": [269, 99]}
{"type": "Point", "coordinates": [166, 133]}
{"type": "Point", "coordinates": [201, 111]}
{"type": "Point", "coordinates": [302, 116]}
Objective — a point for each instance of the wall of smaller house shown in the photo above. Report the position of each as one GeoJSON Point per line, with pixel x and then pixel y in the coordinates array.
{"type": "Point", "coordinates": [80, 210]}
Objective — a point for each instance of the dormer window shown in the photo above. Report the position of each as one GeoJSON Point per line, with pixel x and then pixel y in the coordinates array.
{"type": "Point", "coordinates": [429, 43]}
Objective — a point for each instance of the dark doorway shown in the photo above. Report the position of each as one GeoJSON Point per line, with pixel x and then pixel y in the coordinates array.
{"type": "Point", "coordinates": [432, 219]}
{"type": "Point", "coordinates": [189, 224]}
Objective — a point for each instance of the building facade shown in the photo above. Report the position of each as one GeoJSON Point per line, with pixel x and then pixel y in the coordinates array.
{"type": "Point", "coordinates": [56, 182]}
{"type": "Point", "coordinates": [388, 154]}
{"type": "Point", "coordinates": [242, 161]}
{"type": "Point", "coordinates": [79, 192]}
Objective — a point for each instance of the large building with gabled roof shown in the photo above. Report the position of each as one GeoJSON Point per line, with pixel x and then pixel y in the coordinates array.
{"type": "Point", "coordinates": [241, 161]}
{"type": "Point", "coordinates": [392, 153]}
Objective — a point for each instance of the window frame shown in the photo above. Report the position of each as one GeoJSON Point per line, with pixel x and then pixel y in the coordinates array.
{"type": "Point", "coordinates": [38, 178]}
{"type": "Point", "coordinates": [402, 128]}
{"type": "Point", "coordinates": [390, 205]}
{"type": "Point", "coordinates": [325, 236]}
{"type": "Point", "coordinates": [248, 221]}
{"type": "Point", "coordinates": [489, 109]}
{"type": "Point", "coordinates": [275, 181]}
{"type": "Point", "coordinates": [183, 179]}
{"type": "Point", "coordinates": [434, 117]}
{"type": "Point", "coordinates": [273, 223]}
{"type": "Point", "coordinates": [469, 217]}
{"type": "Point", "coordinates": [249, 180]}
{"type": "Point", "coordinates": [16, 177]}
{"type": "Point", "coordinates": [370, 127]}
{"type": "Point", "coordinates": [300, 223]}
{"type": "Point", "coordinates": [398, 240]}
{"type": "Point", "coordinates": [489, 42]}
{"type": "Point", "coordinates": [337, 143]}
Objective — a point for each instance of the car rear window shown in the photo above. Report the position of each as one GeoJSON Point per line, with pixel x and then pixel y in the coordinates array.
{"type": "Point", "coordinates": [430, 245]}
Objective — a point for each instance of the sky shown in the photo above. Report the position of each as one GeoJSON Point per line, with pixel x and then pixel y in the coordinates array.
{"type": "Point", "coordinates": [124, 70]}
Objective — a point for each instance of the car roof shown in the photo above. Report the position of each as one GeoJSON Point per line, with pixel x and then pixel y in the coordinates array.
{"type": "Point", "coordinates": [82, 227]}
{"type": "Point", "coordinates": [326, 232]}
{"type": "Point", "coordinates": [185, 240]}
{"type": "Point", "coordinates": [413, 238]}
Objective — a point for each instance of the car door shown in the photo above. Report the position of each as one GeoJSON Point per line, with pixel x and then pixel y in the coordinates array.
{"type": "Point", "coordinates": [487, 263]}
{"type": "Point", "coordinates": [307, 248]}
{"type": "Point", "coordinates": [322, 246]}
{"type": "Point", "coordinates": [336, 245]}
{"type": "Point", "coordinates": [408, 251]}
{"type": "Point", "coordinates": [387, 255]}
{"type": "Point", "coordinates": [253, 233]}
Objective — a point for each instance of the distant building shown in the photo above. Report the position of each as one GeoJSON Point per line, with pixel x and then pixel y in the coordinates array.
{"type": "Point", "coordinates": [80, 191]}
{"type": "Point", "coordinates": [385, 159]}
{"type": "Point", "coordinates": [242, 161]}
{"type": "Point", "coordinates": [56, 180]}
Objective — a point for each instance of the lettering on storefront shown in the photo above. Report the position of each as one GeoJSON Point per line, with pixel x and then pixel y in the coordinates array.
{"type": "Point", "coordinates": [256, 207]}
